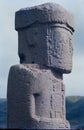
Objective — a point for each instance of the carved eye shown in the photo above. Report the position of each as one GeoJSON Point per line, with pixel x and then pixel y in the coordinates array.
{"type": "Point", "coordinates": [31, 36]}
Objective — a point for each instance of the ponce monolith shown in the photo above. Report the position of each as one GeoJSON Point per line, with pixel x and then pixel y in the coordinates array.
{"type": "Point", "coordinates": [36, 92]}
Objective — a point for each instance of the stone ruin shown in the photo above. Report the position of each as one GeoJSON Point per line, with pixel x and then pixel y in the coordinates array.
{"type": "Point", "coordinates": [36, 92]}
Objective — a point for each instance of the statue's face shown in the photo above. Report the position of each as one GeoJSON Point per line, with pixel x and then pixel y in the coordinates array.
{"type": "Point", "coordinates": [46, 45]}
{"type": "Point", "coordinates": [60, 49]}
{"type": "Point", "coordinates": [32, 45]}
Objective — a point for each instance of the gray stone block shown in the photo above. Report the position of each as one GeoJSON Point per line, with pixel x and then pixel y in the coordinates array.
{"type": "Point", "coordinates": [45, 34]}
{"type": "Point", "coordinates": [45, 13]}
{"type": "Point", "coordinates": [35, 98]}
{"type": "Point", "coordinates": [36, 93]}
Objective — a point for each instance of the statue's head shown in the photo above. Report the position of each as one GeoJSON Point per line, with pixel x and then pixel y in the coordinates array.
{"type": "Point", "coordinates": [45, 34]}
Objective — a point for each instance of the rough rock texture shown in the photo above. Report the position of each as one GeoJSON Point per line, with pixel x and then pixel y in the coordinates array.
{"type": "Point", "coordinates": [36, 93]}
{"type": "Point", "coordinates": [36, 97]}
{"type": "Point", "coordinates": [46, 45]}
{"type": "Point", "coordinates": [45, 13]}
{"type": "Point", "coordinates": [45, 36]}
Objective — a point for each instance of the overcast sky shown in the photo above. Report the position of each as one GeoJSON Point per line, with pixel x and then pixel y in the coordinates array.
{"type": "Point", "coordinates": [9, 42]}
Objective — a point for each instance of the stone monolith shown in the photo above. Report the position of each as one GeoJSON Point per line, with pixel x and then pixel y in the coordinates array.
{"type": "Point", "coordinates": [36, 92]}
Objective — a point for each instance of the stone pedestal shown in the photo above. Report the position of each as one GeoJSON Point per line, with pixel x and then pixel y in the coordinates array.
{"type": "Point", "coordinates": [36, 93]}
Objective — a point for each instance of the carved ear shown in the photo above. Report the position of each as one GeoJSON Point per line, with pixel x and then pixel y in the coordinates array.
{"type": "Point", "coordinates": [32, 36]}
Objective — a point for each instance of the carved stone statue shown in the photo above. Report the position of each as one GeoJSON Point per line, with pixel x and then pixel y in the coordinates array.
{"type": "Point", "coordinates": [36, 92]}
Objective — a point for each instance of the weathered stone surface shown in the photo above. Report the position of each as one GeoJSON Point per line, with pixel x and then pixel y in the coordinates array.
{"type": "Point", "coordinates": [35, 98]}
{"type": "Point", "coordinates": [48, 44]}
{"type": "Point", "coordinates": [36, 93]}
{"type": "Point", "coordinates": [45, 13]}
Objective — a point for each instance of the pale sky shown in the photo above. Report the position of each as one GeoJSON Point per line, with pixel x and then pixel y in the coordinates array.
{"type": "Point", "coordinates": [74, 82]}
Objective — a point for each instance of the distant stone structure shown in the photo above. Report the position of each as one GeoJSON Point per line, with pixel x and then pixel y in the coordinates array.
{"type": "Point", "coordinates": [36, 92]}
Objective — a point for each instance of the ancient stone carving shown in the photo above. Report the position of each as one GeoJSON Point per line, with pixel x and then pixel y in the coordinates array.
{"type": "Point", "coordinates": [36, 93]}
